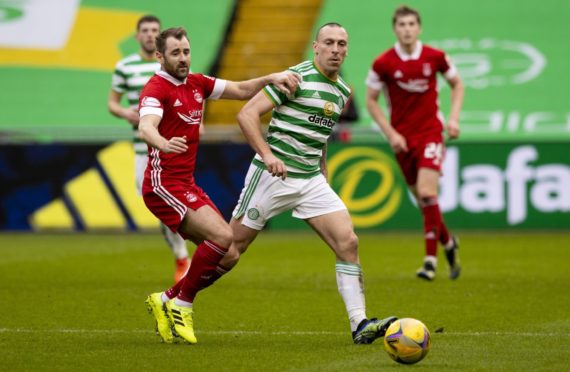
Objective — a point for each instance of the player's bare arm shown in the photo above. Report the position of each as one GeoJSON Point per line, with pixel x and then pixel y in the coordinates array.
{"type": "Point", "coordinates": [115, 108]}
{"type": "Point", "coordinates": [285, 81]}
{"type": "Point", "coordinates": [396, 140]}
{"type": "Point", "coordinates": [148, 130]}
{"type": "Point", "coordinates": [250, 124]}
{"type": "Point", "coordinates": [457, 92]}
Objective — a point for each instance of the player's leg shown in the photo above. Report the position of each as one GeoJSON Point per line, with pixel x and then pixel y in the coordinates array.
{"type": "Point", "coordinates": [427, 191]}
{"type": "Point", "coordinates": [205, 224]}
{"type": "Point", "coordinates": [243, 236]}
{"type": "Point", "coordinates": [262, 197]}
{"type": "Point", "coordinates": [175, 242]}
{"type": "Point", "coordinates": [336, 230]}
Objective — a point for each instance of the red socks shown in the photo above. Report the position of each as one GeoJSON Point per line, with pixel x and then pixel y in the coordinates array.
{"type": "Point", "coordinates": [204, 270]}
{"type": "Point", "coordinates": [433, 224]}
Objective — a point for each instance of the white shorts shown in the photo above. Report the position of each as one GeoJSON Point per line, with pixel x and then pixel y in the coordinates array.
{"type": "Point", "coordinates": [264, 196]}
{"type": "Point", "coordinates": [140, 166]}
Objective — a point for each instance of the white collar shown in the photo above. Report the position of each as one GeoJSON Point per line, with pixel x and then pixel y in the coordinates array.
{"type": "Point", "coordinates": [409, 57]}
{"type": "Point", "coordinates": [170, 78]}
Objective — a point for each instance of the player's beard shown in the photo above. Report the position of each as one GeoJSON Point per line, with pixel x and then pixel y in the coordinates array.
{"type": "Point", "coordinates": [176, 70]}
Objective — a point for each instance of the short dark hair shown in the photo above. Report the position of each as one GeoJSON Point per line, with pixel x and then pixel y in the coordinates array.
{"type": "Point", "coordinates": [175, 32]}
{"type": "Point", "coordinates": [147, 19]}
{"type": "Point", "coordinates": [404, 10]}
{"type": "Point", "coordinates": [334, 24]}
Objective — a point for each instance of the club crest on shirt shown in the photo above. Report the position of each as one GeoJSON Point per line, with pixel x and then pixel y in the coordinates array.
{"type": "Point", "coordinates": [328, 109]}
{"type": "Point", "coordinates": [190, 197]}
{"type": "Point", "coordinates": [426, 69]}
{"type": "Point", "coordinates": [398, 74]}
{"type": "Point", "coordinates": [253, 214]}
{"type": "Point", "coordinates": [197, 96]}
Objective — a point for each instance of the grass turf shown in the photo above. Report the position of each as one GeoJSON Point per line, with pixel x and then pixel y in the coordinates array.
{"type": "Point", "coordinates": [75, 302]}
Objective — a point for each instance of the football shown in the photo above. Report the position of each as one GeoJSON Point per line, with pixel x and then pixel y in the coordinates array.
{"type": "Point", "coordinates": [407, 341]}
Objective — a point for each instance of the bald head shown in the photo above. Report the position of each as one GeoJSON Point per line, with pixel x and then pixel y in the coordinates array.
{"type": "Point", "coordinates": [327, 26]}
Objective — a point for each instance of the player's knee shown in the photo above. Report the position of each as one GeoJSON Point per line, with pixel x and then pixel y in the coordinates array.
{"type": "Point", "coordinates": [223, 236]}
{"type": "Point", "coordinates": [352, 242]}
{"type": "Point", "coordinates": [348, 248]}
{"type": "Point", "coordinates": [426, 199]}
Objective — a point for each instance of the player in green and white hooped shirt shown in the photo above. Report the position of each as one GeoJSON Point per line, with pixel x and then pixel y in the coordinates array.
{"type": "Point", "coordinates": [131, 74]}
{"type": "Point", "coordinates": [289, 171]}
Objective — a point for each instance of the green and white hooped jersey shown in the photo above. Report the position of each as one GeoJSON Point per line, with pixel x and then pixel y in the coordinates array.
{"type": "Point", "coordinates": [301, 126]}
{"type": "Point", "coordinates": [130, 76]}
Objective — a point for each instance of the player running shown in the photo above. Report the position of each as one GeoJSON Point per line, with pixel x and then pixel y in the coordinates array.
{"type": "Point", "coordinates": [407, 74]}
{"type": "Point", "coordinates": [131, 74]}
{"type": "Point", "coordinates": [171, 109]}
{"type": "Point", "coordinates": [289, 171]}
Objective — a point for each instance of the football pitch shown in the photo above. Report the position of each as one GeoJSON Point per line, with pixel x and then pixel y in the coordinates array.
{"type": "Point", "coordinates": [76, 302]}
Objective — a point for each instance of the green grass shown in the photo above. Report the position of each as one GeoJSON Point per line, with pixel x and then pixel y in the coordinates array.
{"type": "Point", "coordinates": [75, 302]}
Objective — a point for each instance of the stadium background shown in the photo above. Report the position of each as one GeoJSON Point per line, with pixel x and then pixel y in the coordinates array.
{"type": "Point", "coordinates": [66, 164]}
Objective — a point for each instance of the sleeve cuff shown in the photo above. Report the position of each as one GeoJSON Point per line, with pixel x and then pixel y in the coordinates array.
{"type": "Point", "coordinates": [151, 111]}
{"type": "Point", "coordinates": [450, 73]}
{"type": "Point", "coordinates": [219, 87]}
{"type": "Point", "coordinates": [272, 96]}
{"type": "Point", "coordinates": [373, 80]}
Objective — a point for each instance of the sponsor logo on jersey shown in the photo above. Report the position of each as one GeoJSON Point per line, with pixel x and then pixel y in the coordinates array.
{"type": "Point", "coordinates": [316, 95]}
{"type": "Point", "coordinates": [193, 117]}
{"type": "Point", "coordinates": [426, 69]}
{"type": "Point", "coordinates": [328, 109]}
{"type": "Point", "coordinates": [150, 102]}
{"type": "Point", "coordinates": [323, 122]}
{"type": "Point", "coordinates": [398, 74]}
{"type": "Point", "coordinates": [177, 103]}
{"type": "Point", "coordinates": [414, 85]}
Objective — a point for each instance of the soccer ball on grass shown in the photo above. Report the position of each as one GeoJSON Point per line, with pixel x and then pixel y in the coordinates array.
{"type": "Point", "coordinates": [407, 341]}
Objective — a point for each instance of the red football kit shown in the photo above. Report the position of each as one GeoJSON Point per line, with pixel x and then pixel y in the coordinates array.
{"type": "Point", "coordinates": [168, 187]}
{"type": "Point", "coordinates": [409, 82]}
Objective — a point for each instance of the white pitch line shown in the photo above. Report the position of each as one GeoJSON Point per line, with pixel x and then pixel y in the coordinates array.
{"type": "Point", "coordinates": [276, 333]}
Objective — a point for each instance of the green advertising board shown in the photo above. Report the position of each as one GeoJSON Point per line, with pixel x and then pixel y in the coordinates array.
{"type": "Point", "coordinates": [512, 56]}
{"type": "Point", "coordinates": [494, 185]}
{"type": "Point", "coordinates": [56, 60]}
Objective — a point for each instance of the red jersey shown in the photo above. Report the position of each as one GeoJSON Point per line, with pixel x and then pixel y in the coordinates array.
{"type": "Point", "coordinates": [410, 85]}
{"type": "Point", "coordinates": [180, 105]}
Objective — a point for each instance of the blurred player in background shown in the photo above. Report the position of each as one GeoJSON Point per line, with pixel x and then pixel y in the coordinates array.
{"type": "Point", "coordinates": [131, 74]}
{"type": "Point", "coordinates": [289, 171]}
{"type": "Point", "coordinates": [407, 73]}
{"type": "Point", "coordinates": [171, 109]}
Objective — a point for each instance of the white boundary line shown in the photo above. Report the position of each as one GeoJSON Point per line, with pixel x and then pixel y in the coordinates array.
{"type": "Point", "coordinates": [276, 333]}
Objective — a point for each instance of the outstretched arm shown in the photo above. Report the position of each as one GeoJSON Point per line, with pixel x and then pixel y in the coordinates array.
{"type": "Point", "coordinates": [250, 124]}
{"type": "Point", "coordinates": [285, 81]}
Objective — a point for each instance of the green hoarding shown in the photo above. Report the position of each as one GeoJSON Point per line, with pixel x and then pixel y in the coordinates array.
{"type": "Point", "coordinates": [498, 185]}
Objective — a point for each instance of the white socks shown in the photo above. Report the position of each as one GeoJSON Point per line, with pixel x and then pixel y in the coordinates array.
{"type": "Point", "coordinates": [351, 289]}
{"type": "Point", "coordinates": [432, 260]}
{"type": "Point", "coordinates": [179, 302]}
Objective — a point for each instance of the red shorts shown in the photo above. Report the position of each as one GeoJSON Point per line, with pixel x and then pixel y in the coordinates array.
{"type": "Point", "coordinates": [426, 152]}
{"type": "Point", "coordinates": [171, 199]}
